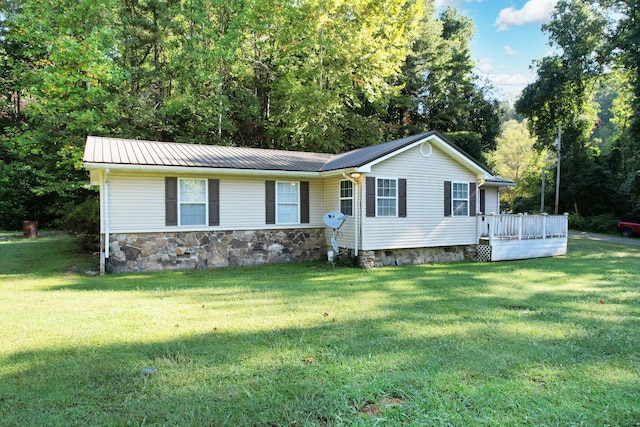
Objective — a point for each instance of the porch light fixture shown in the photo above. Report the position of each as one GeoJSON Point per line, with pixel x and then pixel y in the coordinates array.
{"type": "Point", "coordinates": [355, 175]}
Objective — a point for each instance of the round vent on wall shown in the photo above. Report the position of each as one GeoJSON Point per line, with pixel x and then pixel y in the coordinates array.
{"type": "Point", "coordinates": [426, 149]}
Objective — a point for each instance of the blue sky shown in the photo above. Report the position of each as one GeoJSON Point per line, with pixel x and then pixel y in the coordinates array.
{"type": "Point", "coordinates": [508, 38]}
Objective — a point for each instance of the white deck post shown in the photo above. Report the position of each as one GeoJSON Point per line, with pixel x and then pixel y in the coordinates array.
{"type": "Point", "coordinates": [544, 225]}
{"type": "Point", "coordinates": [520, 216]}
{"type": "Point", "coordinates": [492, 227]}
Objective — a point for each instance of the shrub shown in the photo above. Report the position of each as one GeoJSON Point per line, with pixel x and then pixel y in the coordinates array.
{"type": "Point", "coordinates": [605, 223]}
{"type": "Point", "coordinates": [83, 222]}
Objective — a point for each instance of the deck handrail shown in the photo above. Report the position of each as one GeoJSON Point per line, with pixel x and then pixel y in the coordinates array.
{"type": "Point", "coordinates": [522, 226]}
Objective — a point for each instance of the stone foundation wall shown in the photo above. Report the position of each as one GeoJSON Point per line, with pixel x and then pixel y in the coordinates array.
{"type": "Point", "coordinates": [394, 257]}
{"type": "Point", "coordinates": [185, 251]}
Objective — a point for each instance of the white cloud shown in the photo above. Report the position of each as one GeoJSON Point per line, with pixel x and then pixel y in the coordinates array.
{"type": "Point", "coordinates": [508, 50]}
{"type": "Point", "coordinates": [443, 3]}
{"type": "Point", "coordinates": [485, 66]}
{"type": "Point", "coordinates": [532, 11]}
{"type": "Point", "coordinates": [512, 79]}
{"type": "Point", "coordinates": [512, 84]}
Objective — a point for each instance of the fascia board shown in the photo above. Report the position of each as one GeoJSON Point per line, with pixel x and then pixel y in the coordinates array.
{"type": "Point", "coordinates": [198, 170]}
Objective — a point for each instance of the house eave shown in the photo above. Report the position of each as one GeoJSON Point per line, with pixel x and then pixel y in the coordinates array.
{"type": "Point", "coordinates": [116, 167]}
{"type": "Point", "coordinates": [493, 183]}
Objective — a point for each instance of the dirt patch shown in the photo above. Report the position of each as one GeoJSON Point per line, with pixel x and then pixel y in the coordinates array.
{"type": "Point", "coordinates": [375, 409]}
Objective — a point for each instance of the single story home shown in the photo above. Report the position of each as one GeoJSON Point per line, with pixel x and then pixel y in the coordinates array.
{"type": "Point", "coordinates": [167, 205]}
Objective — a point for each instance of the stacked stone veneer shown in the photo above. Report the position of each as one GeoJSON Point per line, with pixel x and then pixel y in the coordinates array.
{"type": "Point", "coordinates": [381, 258]}
{"type": "Point", "coordinates": [183, 251]}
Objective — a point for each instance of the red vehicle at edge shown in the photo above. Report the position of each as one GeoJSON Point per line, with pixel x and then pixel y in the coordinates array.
{"type": "Point", "coordinates": [629, 226]}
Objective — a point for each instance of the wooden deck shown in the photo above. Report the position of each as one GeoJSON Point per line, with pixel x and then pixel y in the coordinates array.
{"type": "Point", "coordinates": [509, 237]}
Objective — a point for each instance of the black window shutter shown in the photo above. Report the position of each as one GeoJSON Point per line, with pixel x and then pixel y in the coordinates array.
{"type": "Point", "coordinates": [270, 197]}
{"type": "Point", "coordinates": [402, 198]}
{"type": "Point", "coordinates": [304, 202]}
{"type": "Point", "coordinates": [171, 200]}
{"type": "Point", "coordinates": [371, 196]}
{"type": "Point", "coordinates": [472, 199]}
{"type": "Point", "coordinates": [447, 198]}
{"type": "Point", "coordinates": [482, 202]}
{"type": "Point", "coordinates": [214, 202]}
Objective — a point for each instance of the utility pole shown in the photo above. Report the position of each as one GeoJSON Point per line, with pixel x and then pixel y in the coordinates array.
{"type": "Point", "coordinates": [559, 146]}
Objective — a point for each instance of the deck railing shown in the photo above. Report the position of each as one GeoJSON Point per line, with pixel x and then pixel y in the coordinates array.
{"type": "Point", "coordinates": [522, 226]}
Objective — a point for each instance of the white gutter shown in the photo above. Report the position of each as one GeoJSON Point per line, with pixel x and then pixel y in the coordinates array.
{"type": "Point", "coordinates": [199, 170]}
{"type": "Point", "coordinates": [357, 211]}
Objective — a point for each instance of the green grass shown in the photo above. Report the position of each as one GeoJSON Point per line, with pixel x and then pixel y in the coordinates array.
{"type": "Point", "coordinates": [537, 342]}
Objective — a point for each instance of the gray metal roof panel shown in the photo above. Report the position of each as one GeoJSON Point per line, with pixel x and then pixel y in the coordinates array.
{"type": "Point", "coordinates": [152, 153]}
{"type": "Point", "coordinates": [362, 156]}
{"type": "Point", "coordinates": [500, 181]}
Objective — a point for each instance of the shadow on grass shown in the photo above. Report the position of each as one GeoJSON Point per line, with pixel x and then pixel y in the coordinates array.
{"type": "Point", "coordinates": [456, 344]}
{"type": "Point", "coordinates": [261, 377]}
{"type": "Point", "coordinates": [451, 342]}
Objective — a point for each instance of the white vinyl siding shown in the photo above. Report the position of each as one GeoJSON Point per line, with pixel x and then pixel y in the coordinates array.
{"type": "Point", "coordinates": [425, 224]}
{"type": "Point", "coordinates": [491, 200]}
{"type": "Point", "coordinates": [287, 202]}
{"type": "Point", "coordinates": [346, 234]}
{"type": "Point", "coordinates": [137, 204]}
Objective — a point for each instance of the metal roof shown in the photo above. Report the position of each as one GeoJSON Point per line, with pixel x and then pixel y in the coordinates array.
{"type": "Point", "coordinates": [114, 151]}
{"type": "Point", "coordinates": [497, 181]}
{"type": "Point", "coordinates": [151, 153]}
{"type": "Point", "coordinates": [362, 156]}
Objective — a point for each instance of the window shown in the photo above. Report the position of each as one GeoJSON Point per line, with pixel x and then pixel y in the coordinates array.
{"type": "Point", "coordinates": [460, 198]}
{"type": "Point", "coordinates": [192, 201]}
{"type": "Point", "coordinates": [386, 199]}
{"type": "Point", "coordinates": [346, 197]}
{"type": "Point", "coordinates": [287, 202]}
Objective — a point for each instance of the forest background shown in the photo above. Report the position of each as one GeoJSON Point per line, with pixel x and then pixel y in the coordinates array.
{"type": "Point", "coordinates": [312, 75]}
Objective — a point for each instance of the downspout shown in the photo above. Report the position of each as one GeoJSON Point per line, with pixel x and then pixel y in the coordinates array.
{"type": "Point", "coordinates": [356, 211]}
{"type": "Point", "coordinates": [106, 216]}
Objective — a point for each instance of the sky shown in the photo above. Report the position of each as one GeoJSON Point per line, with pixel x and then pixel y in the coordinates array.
{"type": "Point", "coordinates": [508, 39]}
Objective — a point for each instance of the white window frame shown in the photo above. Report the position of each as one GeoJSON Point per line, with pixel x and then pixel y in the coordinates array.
{"type": "Point", "coordinates": [281, 203]}
{"type": "Point", "coordinates": [342, 198]}
{"type": "Point", "coordinates": [378, 198]}
{"type": "Point", "coordinates": [205, 202]}
{"type": "Point", "coordinates": [459, 199]}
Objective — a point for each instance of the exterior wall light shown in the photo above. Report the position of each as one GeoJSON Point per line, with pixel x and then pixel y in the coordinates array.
{"type": "Point", "coordinates": [355, 175]}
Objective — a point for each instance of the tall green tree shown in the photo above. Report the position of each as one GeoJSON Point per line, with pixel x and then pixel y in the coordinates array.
{"type": "Point", "coordinates": [301, 75]}
{"type": "Point", "coordinates": [563, 95]}
{"type": "Point", "coordinates": [441, 90]}
{"type": "Point", "coordinates": [326, 59]}
{"type": "Point", "coordinates": [66, 80]}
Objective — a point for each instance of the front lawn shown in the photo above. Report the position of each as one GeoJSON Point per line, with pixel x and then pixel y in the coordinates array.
{"type": "Point", "coordinates": [537, 342]}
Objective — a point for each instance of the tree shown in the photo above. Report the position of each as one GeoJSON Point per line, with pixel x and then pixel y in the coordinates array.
{"type": "Point", "coordinates": [563, 94]}
{"type": "Point", "coordinates": [441, 91]}
{"type": "Point", "coordinates": [70, 75]}
{"type": "Point", "coordinates": [331, 59]}
{"type": "Point", "coordinates": [515, 158]}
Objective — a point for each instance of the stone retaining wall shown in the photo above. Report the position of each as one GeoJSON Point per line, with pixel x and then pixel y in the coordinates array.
{"type": "Point", "coordinates": [184, 251]}
{"type": "Point", "coordinates": [380, 258]}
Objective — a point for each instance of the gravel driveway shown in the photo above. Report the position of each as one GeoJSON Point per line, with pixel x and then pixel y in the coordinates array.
{"type": "Point", "coordinates": [605, 237]}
